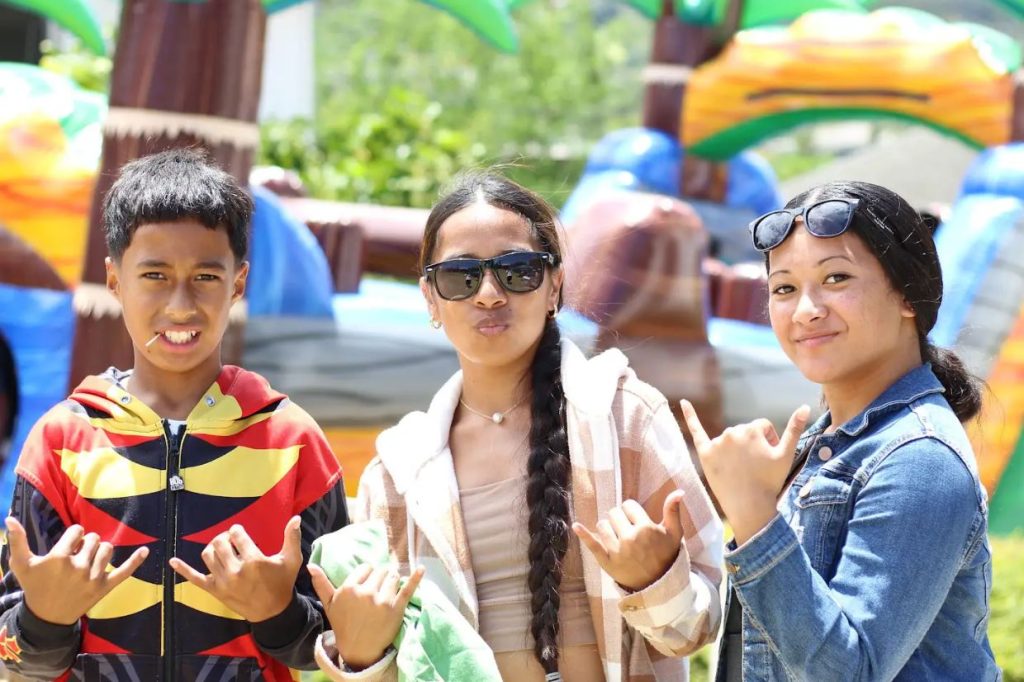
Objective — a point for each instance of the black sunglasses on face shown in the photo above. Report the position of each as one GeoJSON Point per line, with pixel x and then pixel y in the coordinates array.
{"type": "Point", "coordinates": [518, 272]}
{"type": "Point", "coordinates": [829, 218]}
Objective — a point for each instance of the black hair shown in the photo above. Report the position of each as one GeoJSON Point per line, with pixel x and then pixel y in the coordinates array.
{"type": "Point", "coordinates": [902, 242]}
{"type": "Point", "coordinates": [177, 184]}
{"type": "Point", "coordinates": [548, 467]}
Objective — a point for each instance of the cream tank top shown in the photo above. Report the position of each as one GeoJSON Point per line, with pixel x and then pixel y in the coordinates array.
{"type": "Point", "coordinates": [496, 520]}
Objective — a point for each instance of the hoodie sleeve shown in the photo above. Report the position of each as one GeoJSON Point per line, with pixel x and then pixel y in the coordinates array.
{"type": "Point", "coordinates": [28, 645]}
{"type": "Point", "coordinates": [291, 636]}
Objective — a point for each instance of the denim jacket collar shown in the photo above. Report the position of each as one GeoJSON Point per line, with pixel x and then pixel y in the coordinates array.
{"type": "Point", "coordinates": [913, 385]}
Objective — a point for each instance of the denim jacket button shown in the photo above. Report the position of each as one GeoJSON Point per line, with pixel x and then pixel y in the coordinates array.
{"type": "Point", "coordinates": [825, 454]}
{"type": "Point", "coordinates": [732, 568]}
{"type": "Point", "coordinates": [806, 490]}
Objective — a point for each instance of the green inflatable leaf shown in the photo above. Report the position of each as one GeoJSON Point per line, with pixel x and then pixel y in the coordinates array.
{"type": "Point", "coordinates": [1014, 6]}
{"type": "Point", "coordinates": [755, 12]}
{"type": "Point", "coordinates": [761, 12]}
{"type": "Point", "coordinates": [26, 85]}
{"type": "Point", "coordinates": [277, 5]}
{"type": "Point", "coordinates": [649, 8]}
{"type": "Point", "coordinates": [490, 19]}
{"type": "Point", "coordinates": [995, 46]}
{"type": "Point", "coordinates": [74, 15]}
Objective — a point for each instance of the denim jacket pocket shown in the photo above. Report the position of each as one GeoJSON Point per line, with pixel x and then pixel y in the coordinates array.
{"type": "Point", "coordinates": [820, 514]}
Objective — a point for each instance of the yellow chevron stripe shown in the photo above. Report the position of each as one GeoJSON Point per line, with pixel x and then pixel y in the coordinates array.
{"type": "Point", "coordinates": [202, 428]}
{"type": "Point", "coordinates": [126, 428]}
{"type": "Point", "coordinates": [131, 596]}
{"type": "Point", "coordinates": [103, 474]}
{"type": "Point", "coordinates": [224, 408]}
{"type": "Point", "coordinates": [242, 472]}
{"type": "Point", "coordinates": [200, 600]}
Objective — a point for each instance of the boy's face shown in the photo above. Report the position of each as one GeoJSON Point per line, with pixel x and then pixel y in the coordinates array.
{"type": "Point", "coordinates": [177, 281]}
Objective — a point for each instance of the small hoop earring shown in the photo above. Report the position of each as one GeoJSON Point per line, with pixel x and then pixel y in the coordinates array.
{"type": "Point", "coordinates": [553, 313]}
{"type": "Point", "coordinates": [436, 324]}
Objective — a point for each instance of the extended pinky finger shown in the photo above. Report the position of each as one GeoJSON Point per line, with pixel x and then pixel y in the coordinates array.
{"type": "Point", "coordinates": [591, 542]}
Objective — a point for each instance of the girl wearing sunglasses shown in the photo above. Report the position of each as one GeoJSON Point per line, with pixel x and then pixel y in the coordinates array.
{"type": "Point", "coordinates": [529, 446]}
{"type": "Point", "coordinates": [860, 548]}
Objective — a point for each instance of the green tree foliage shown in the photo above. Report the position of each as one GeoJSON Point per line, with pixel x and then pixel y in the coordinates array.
{"type": "Point", "coordinates": [90, 71]}
{"type": "Point", "coordinates": [408, 95]}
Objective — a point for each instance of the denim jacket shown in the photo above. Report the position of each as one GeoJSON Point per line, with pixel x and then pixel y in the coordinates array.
{"type": "Point", "coordinates": [877, 566]}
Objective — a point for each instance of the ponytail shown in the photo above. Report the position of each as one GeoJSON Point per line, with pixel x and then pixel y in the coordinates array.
{"type": "Point", "coordinates": [963, 391]}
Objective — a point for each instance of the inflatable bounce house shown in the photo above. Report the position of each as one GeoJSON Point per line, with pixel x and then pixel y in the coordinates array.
{"type": "Point", "coordinates": [658, 260]}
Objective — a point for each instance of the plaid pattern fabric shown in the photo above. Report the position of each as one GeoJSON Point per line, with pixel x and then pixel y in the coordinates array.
{"type": "Point", "coordinates": [624, 443]}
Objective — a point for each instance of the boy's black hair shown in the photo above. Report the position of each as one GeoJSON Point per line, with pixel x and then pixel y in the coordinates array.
{"type": "Point", "coordinates": [178, 184]}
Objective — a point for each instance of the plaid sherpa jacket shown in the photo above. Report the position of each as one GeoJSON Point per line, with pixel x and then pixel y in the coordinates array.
{"type": "Point", "coordinates": [624, 443]}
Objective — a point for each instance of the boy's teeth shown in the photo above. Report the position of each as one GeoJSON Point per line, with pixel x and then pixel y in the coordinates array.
{"type": "Point", "coordinates": [179, 337]}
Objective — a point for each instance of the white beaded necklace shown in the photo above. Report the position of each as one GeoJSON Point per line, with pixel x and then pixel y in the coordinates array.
{"type": "Point", "coordinates": [497, 417]}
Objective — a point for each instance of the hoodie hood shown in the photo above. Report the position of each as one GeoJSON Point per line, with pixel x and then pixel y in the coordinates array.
{"type": "Point", "coordinates": [589, 385]}
{"type": "Point", "coordinates": [236, 394]}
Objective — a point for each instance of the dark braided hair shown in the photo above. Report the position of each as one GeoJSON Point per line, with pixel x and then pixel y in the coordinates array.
{"type": "Point", "coordinates": [548, 468]}
{"type": "Point", "coordinates": [902, 242]}
{"type": "Point", "coordinates": [547, 496]}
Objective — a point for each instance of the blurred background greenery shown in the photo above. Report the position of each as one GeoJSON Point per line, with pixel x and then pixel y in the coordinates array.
{"type": "Point", "coordinates": [407, 95]}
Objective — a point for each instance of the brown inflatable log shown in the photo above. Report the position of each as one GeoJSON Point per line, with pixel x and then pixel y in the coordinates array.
{"type": "Point", "coordinates": [738, 292]}
{"type": "Point", "coordinates": [391, 235]}
{"type": "Point", "coordinates": [634, 266]}
{"type": "Point", "coordinates": [21, 266]}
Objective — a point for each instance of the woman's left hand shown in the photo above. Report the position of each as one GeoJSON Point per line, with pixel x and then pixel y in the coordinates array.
{"type": "Point", "coordinates": [630, 547]}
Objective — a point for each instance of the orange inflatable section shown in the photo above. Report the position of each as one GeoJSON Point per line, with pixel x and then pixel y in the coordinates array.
{"type": "Point", "coordinates": [773, 78]}
{"type": "Point", "coordinates": [996, 433]}
{"type": "Point", "coordinates": [44, 197]}
{"type": "Point", "coordinates": [354, 448]}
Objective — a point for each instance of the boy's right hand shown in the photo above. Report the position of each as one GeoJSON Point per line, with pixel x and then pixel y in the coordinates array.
{"type": "Point", "coordinates": [63, 584]}
{"type": "Point", "coordinates": [366, 611]}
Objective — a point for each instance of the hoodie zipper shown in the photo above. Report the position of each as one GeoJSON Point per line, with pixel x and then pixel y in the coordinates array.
{"type": "Point", "coordinates": [175, 441]}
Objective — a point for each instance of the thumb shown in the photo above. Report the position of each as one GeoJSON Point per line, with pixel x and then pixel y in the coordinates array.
{"type": "Point", "coordinates": [291, 548]}
{"type": "Point", "coordinates": [795, 427]}
{"type": "Point", "coordinates": [670, 518]}
{"type": "Point", "coordinates": [17, 540]}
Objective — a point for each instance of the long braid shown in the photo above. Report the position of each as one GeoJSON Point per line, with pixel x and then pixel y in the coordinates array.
{"type": "Point", "coordinates": [547, 497]}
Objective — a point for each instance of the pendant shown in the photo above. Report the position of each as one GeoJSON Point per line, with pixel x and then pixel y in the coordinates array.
{"type": "Point", "coordinates": [497, 417]}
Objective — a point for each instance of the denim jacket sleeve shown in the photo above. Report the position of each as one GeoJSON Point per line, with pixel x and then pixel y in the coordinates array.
{"type": "Point", "coordinates": [906, 540]}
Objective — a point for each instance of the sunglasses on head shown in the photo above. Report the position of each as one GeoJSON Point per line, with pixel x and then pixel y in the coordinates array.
{"type": "Point", "coordinates": [518, 272]}
{"type": "Point", "coordinates": [828, 218]}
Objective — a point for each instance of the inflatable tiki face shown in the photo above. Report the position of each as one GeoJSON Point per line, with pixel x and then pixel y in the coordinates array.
{"type": "Point", "coordinates": [894, 62]}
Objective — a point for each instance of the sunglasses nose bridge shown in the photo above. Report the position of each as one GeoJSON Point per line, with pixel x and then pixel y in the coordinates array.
{"type": "Point", "coordinates": [490, 288]}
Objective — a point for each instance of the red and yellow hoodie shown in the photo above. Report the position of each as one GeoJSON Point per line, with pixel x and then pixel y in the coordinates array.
{"type": "Point", "coordinates": [102, 459]}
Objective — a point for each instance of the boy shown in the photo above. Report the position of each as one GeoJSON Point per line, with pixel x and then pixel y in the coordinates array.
{"type": "Point", "coordinates": [175, 465]}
